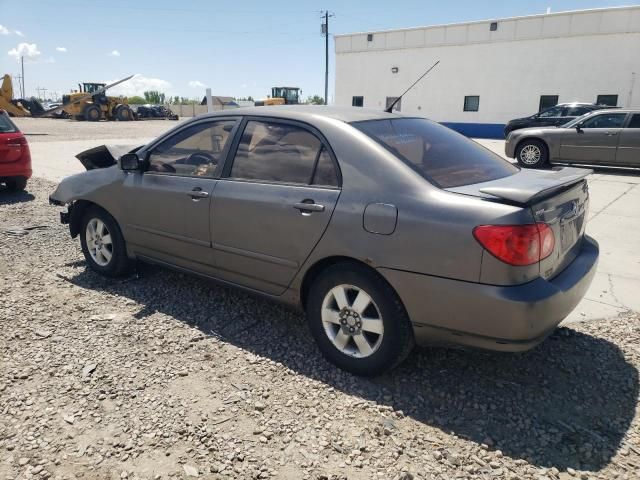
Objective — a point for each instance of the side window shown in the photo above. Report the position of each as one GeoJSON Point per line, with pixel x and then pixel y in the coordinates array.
{"type": "Point", "coordinates": [547, 101]}
{"type": "Point", "coordinates": [195, 151]}
{"type": "Point", "coordinates": [605, 120]}
{"type": "Point", "coordinates": [471, 103]}
{"type": "Point", "coordinates": [357, 101]}
{"type": "Point", "coordinates": [635, 121]}
{"type": "Point", "coordinates": [278, 152]}
{"type": "Point", "coordinates": [325, 173]}
{"type": "Point", "coordinates": [552, 112]}
{"type": "Point", "coordinates": [608, 100]}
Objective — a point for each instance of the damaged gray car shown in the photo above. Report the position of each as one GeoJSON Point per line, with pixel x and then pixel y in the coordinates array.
{"type": "Point", "coordinates": [387, 230]}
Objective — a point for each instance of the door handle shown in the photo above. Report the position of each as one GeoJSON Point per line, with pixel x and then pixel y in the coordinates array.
{"type": "Point", "coordinates": [308, 206]}
{"type": "Point", "coordinates": [610, 134]}
{"type": "Point", "coordinates": [198, 193]}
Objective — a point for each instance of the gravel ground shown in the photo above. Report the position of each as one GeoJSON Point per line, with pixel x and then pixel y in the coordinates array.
{"type": "Point", "coordinates": [162, 375]}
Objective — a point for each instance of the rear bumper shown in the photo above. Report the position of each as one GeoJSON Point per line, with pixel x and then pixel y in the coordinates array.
{"type": "Point", "coordinates": [511, 318]}
{"type": "Point", "coordinates": [9, 170]}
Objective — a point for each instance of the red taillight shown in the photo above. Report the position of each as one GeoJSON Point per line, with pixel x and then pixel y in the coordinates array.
{"type": "Point", "coordinates": [14, 148]}
{"type": "Point", "coordinates": [517, 244]}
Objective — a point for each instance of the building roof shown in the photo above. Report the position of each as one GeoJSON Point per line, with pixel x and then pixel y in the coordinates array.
{"type": "Point", "coordinates": [219, 100]}
{"type": "Point", "coordinates": [600, 21]}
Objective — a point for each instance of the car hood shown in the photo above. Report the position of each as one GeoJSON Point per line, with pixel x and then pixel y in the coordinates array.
{"type": "Point", "coordinates": [530, 131]}
{"type": "Point", "coordinates": [104, 156]}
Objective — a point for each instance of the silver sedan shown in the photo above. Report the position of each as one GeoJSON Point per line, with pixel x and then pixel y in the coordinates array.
{"type": "Point", "coordinates": [604, 137]}
{"type": "Point", "coordinates": [387, 230]}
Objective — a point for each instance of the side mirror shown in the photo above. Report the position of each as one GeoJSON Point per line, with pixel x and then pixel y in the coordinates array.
{"type": "Point", "coordinates": [130, 162]}
{"type": "Point", "coordinates": [579, 128]}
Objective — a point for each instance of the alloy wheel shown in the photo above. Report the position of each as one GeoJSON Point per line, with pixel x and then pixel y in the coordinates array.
{"type": "Point", "coordinates": [352, 321]}
{"type": "Point", "coordinates": [530, 154]}
{"type": "Point", "coordinates": [99, 242]}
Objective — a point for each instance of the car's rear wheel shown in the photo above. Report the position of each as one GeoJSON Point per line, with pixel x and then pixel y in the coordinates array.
{"type": "Point", "coordinates": [532, 154]}
{"type": "Point", "coordinates": [102, 243]}
{"type": "Point", "coordinates": [17, 184]}
{"type": "Point", "coordinates": [358, 320]}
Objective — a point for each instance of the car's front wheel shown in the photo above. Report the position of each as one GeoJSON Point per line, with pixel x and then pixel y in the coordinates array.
{"type": "Point", "coordinates": [532, 153]}
{"type": "Point", "coordinates": [358, 320]}
{"type": "Point", "coordinates": [102, 243]}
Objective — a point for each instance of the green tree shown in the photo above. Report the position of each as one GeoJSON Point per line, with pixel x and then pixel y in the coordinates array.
{"type": "Point", "coordinates": [136, 100]}
{"type": "Point", "coordinates": [315, 100]}
{"type": "Point", "coordinates": [154, 96]}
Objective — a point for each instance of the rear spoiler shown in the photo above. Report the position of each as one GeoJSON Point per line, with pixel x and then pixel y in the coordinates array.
{"type": "Point", "coordinates": [535, 185]}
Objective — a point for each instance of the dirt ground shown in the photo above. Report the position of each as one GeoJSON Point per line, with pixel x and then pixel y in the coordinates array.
{"type": "Point", "coordinates": [162, 375]}
{"type": "Point", "coordinates": [54, 130]}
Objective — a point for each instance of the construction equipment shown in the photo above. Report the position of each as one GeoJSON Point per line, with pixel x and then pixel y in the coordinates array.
{"type": "Point", "coordinates": [15, 107]}
{"type": "Point", "coordinates": [281, 96]}
{"type": "Point", "coordinates": [92, 104]}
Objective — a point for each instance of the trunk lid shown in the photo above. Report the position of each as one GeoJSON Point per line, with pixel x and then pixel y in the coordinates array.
{"type": "Point", "coordinates": [13, 147]}
{"type": "Point", "coordinates": [559, 198]}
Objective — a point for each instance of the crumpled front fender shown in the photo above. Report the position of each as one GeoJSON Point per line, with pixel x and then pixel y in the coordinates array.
{"type": "Point", "coordinates": [86, 185]}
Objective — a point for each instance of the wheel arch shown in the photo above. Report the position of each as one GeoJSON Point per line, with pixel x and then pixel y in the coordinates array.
{"type": "Point", "coordinates": [539, 139]}
{"type": "Point", "coordinates": [78, 208]}
{"type": "Point", "coordinates": [321, 265]}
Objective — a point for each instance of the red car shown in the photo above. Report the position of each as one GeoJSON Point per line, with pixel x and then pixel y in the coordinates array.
{"type": "Point", "coordinates": [15, 157]}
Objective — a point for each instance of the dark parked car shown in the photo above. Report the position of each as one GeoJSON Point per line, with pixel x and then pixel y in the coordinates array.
{"type": "Point", "coordinates": [604, 137]}
{"type": "Point", "coordinates": [387, 230]}
{"type": "Point", "coordinates": [15, 157]}
{"type": "Point", "coordinates": [553, 116]}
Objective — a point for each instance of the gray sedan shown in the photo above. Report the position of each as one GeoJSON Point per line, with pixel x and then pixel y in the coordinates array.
{"type": "Point", "coordinates": [387, 230]}
{"type": "Point", "coordinates": [604, 137]}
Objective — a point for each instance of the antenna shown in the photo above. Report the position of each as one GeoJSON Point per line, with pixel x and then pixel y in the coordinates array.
{"type": "Point", "coordinates": [389, 109]}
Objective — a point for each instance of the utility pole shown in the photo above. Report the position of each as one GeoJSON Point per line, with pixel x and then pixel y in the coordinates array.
{"type": "Point", "coordinates": [24, 93]}
{"type": "Point", "coordinates": [325, 31]}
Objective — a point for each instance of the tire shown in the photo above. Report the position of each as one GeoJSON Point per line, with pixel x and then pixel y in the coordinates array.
{"type": "Point", "coordinates": [532, 154]}
{"type": "Point", "coordinates": [124, 113]}
{"type": "Point", "coordinates": [92, 113]}
{"type": "Point", "coordinates": [111, 259]}
{"type": "Point", "coordinates": [388, 336]}
{"type": "Point", "coordinates": [17, 184]}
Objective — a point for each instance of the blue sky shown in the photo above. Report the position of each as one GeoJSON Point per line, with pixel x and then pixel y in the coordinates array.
{"type": "Point", "coordinates": [236, 48]}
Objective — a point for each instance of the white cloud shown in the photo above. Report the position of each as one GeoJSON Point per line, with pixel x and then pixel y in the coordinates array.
{"type": "Point", "coordinates": [114, 53]}
{"type": "Point", "coordinates": [196, 84]}
{"type": "Point", "coordinates": [19, 33]}
{"type": "Point", "coordinates": [28, 50]}
{"type": "Point", "coordinates": [4, 30]}
{"type": "Point", "coordinates": [138, 85]}
{"type": "Point", "coordinates": [61, 49]}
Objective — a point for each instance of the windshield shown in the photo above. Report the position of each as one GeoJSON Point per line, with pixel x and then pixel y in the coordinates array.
{"type": "Point", "coordinates": [442, 156]}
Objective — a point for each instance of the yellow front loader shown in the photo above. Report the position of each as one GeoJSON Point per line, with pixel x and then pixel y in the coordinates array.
{"type": "Point", "coordinates": [7, 103]}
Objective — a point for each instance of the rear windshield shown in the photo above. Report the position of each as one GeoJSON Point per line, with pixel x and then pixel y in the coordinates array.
{"type": "Point", "coordinates": [442, 156]}
{"type": "Point", "coordinates": [6, 125]}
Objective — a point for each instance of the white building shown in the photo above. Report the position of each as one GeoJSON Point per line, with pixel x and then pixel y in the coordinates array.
{"type": "Point", "coordinates": [495, 70]}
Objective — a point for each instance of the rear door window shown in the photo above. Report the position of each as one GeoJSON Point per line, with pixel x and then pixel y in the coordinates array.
{"type": "Point", "coordinates": [442, 156]}
{"type": "Point", "coordinates": [282, 153]}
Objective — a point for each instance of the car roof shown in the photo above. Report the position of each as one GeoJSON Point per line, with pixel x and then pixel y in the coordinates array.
{"type": "Point", "coordinates": [617, 110]}
{"type": "Point", "coordinates": [309, 112]}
